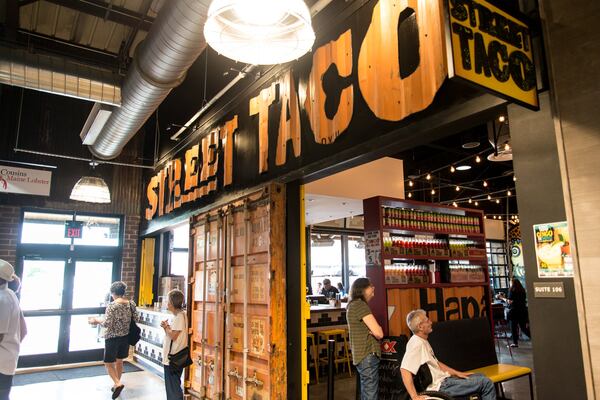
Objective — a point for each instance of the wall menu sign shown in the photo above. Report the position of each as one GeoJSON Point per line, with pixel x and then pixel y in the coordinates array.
{"type": "Point", "coordinates": [553, 250]}
{"type": "Point", "coordinates": [25, 181]}
{"type": "Point", "coordinates": [492, 49]}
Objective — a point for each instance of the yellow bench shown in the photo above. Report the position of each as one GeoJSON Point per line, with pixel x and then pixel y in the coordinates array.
{"type": "Point", "coordinates": [499, 373]}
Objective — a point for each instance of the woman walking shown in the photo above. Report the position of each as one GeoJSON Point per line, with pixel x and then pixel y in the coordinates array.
{"type": "Point", "coordinates": [176, 339]}
{"type": "Point", "coordinates": [365, 332]}
{"type": "Point", "coordinates": [116, 322]}
{"type": "Point", "coordinates": [517, 311]}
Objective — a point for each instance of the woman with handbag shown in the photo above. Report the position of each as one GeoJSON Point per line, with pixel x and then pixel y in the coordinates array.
{"type": "Point", "coordinates": [175, 346]}
{"type": "Point", "coordinates": [117, 320]}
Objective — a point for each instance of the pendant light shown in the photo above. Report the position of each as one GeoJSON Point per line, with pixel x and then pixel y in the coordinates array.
{"type": "Point", "coordinates": [91, 189]}
{"type": "Point", "coordinates": [259, 32]}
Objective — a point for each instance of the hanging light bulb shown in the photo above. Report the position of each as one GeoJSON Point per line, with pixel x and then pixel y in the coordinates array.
{"type": "Point", "coordinates": [494, 217]}
{"type": "Point", "coordinates": [410, 183]}
{"type": "Point", "coordinates": [489, 197]}
{"type": "Point", "coordinates": [428, 177]}
{"type": "Point", "coordinates": [514, 178]}
{"type": "Point", "coordinates": [476, 203]}
{"type": "Point", "coordinates": [509, 193]}
{"type": "Point", "coordinates": [432, 191]}
{"type": "Point", "coordinates": [497, 201]}
{"type": "Point", "coordinates": [409, 195]}
{"type": "Point", "coordinates": [470, 201]}
{"type": "Point", "coordinates": [502, 118]}
{"type": "Point", "coordinates": [263, 32]}
{"type": "Point", "coordinates": [452, 169]}
{"type": "Point", "coordinates": [457, 189]}
{"type": "Point", "coordinates": [454, 204]}
{"type": "Point", "coordinates": [485, 184]}
{"type": "Point", "coordinates": [478, 159]}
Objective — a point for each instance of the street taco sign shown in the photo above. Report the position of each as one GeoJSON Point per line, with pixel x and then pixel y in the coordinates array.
{"type": "Point", "coordinates": [492, 49]}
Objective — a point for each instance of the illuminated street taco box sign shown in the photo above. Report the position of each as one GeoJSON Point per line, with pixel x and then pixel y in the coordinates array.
{"type": "Point", "coordinates": [371, 72]}
{"type": "Point", "coordinates": [492, 49]}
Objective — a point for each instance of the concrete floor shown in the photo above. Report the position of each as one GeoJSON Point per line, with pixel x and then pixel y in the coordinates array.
{"type": "Point", "coordinates": [148, 386]}
{"type": "Point", "coordinates": [518, 389]}
{"type": "Point", "coordinates": [141, 385]}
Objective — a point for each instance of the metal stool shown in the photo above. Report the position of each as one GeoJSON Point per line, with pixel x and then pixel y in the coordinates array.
{"type": "Point", "coordinates": [313, 351]}
{"type": "Point", "coordinates": [332, 333]}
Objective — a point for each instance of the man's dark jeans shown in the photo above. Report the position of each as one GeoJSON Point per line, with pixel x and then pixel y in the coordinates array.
{"type": "Point", "coordinates": [173, 383]}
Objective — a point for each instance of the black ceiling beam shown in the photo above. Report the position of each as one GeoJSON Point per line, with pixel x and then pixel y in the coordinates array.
{"type": "Point", "coordinates": [54, 45]}
{"type": "Point", "coordinates": [100, 9]}
{"type": "Point", "coordinates": [26, 2]}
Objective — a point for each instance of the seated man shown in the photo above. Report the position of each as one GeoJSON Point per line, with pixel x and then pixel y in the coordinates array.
{"type": "Point", "coordinates": [444, 378]}
{"type": "Point", "coordinates": [328, 290]}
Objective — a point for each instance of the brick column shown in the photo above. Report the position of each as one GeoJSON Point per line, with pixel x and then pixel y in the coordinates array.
{"type": "Point", "coordinates": [9, 233]}
{"type": "Point", "coordinates": [130, 252]}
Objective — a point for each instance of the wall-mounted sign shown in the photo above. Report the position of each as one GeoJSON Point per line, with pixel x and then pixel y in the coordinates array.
{"type": "Point", "coordinates": [552, 290]}
{"type": "Point", "coordinates": [73, 229]}
{"type": "Point", "coordinates": [25, 181]}
{"type": "Point", "coordinates": [553, 250]}
{"type": "Point", "coordinates": [382, 65]}
{"type": "Point", "coordinates": [492, 49]}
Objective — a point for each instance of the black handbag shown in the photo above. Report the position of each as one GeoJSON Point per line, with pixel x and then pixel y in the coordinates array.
{"type": "Point", "coordinates": [181, 359]}
{"type": "Point", "coordinates": [134, 331]}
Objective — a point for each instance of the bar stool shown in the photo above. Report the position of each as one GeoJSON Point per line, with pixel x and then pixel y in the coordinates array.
{"type": "Point", "coordinates": [328, 334]}
{"type": "Point", "coordinates": [313, 351]}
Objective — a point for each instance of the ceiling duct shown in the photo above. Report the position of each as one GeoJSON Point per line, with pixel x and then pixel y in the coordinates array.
{"type": "Point", "coordinates": [161, 61]}
{"type": "Point", "coordinates": [58, 75]}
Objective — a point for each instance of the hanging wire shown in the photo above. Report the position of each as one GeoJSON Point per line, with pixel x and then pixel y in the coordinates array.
{"type": "Point", "coordinates": [19, 120]}
{"type": "Point", "coordinates": [204, 101]}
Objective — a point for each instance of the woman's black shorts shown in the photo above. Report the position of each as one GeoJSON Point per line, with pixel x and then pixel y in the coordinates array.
{"type": "Point", "coordinates": [116, 348]}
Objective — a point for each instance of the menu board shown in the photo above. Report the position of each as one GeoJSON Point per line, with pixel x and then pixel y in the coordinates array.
{"type": "Point", "coordinates": [553, 250]}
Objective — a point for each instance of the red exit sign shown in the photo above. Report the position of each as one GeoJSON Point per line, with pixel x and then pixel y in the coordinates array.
{"type": "Point", "coordinates": [73, 229]}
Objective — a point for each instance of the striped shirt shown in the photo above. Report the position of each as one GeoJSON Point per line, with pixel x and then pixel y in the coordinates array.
{"type": "Point", "coordinates": [362, 342]}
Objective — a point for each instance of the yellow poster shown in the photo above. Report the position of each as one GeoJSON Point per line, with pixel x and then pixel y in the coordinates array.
{"type": "Point", "coordinates": [492, 49]}
{"type": "Point", "coordinates": [553, 250]}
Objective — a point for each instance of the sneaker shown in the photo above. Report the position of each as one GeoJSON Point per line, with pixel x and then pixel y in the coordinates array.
{"type": "Point", "coordinates": [514, 345]}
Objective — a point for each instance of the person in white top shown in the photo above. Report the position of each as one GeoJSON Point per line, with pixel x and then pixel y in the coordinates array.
{"type": "Point", "coordinates": [176, 339]}
{"type": "Point", "coordinates": [444, 378]}
{"type": "Point", "coordinates": [12, 329]}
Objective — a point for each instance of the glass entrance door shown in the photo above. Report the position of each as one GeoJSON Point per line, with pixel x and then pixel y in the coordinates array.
{"type": "Point", "coordinates": [57, 297]}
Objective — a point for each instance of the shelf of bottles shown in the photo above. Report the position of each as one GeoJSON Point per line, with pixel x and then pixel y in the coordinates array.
{"type": "Point", "coordinates": [423, 220]}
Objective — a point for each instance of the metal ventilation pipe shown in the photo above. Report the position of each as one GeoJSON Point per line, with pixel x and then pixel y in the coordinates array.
{"type": "Point", "coordinates": [58, 75]}
{"type": "Point", "coordinates": [174, 42]}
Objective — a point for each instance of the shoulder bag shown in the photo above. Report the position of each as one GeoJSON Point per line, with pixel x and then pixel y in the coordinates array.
{"type": "Point", "coordinates": [181, 359]}
{"type": "Point", "coordinates": [134, 331]}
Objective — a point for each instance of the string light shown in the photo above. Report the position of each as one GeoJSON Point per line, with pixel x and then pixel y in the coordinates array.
{"type": "Point", "coordinates": [470, 201]}
{"type": "Point", "coordinates": [489, 197]}
{"type": "Point", "coordinates": [454, 204]}
{"type": "Point", "coordinates": [428, 177]}
{"type": "Point", "coordinates": [458, 189]}
{"type": "Point", "coordinates": [506, 147]}
{"type": "Point", "coordinates": [485, 184]}
{"type": "Point", "coordinates": [494, 217]}
{"type": "Point", "coordinates": [478, 159]}
{"type": "Point", "coordinates": [502, 118]}
{"type": "Point", "coordinates": [509, 193]}
{"type": "Point", "coordinates": [409, 195]}
{"type": "Point", "coordinates": [476, 203]}
{"type": "Point", "coordinates": [452, 169]}
{"type": "Point", "coordinates": [410, 183]}
{"type": "Point", "coordinates": [497, 201]}
{"type": "Point", "coordinates": [514, 178]}
{"type": "Point", "coordinates": [485, 217]}
{"type": "Point", "coordinates": [432, 191]}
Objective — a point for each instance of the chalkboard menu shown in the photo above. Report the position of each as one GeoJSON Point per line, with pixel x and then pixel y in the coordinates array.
{"type": "Point", "coordinates": [390, 379]}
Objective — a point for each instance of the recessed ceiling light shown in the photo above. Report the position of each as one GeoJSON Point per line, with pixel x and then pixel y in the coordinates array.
{"type": "Point", "coordinates": [464, 167]}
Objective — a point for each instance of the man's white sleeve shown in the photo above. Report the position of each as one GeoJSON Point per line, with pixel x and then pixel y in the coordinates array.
{"type": "Point", "coordinates": [413, 358]}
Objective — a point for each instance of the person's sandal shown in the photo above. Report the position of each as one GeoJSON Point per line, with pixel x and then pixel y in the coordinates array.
{"type": "Point", "coordinates": [117, 391]}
